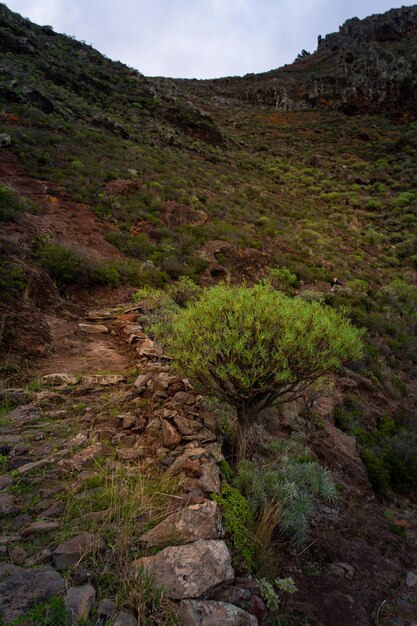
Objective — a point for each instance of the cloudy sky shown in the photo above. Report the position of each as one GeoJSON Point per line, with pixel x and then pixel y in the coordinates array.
{"type": "Point", "coordinates": [199, 38]}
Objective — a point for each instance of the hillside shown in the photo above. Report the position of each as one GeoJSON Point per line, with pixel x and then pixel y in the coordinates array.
{"type": "Point", "coordinates": [112, 182]}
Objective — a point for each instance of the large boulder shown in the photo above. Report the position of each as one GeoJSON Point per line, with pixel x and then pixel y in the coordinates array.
{"type": "Point", "coordinates": [198, 521]}
{"type": "Point", "coordinates": [191, 570]}
{"type": "Point", "coordinates": [210, 613]}
{"type": "Point", "coordinates": [22, 589]}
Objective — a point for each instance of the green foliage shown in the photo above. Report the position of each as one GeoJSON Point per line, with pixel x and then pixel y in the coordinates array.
{"type": "Point", "coordinates": [254, 345]}
{"type": "Point", "coordinates": [11, 205]}
{"type": "Point", "coordinates": [12, 278]}
{"type": "Point", "coordinates": [271, 597]}
{"type": "Point", "coordinates": [238, 519]}
{"type": "Point", "coordinates": [184, 291]}
{"type": "Point", "coordinates": [282, 278]}
{"type": "Point", "coordinates": [294, 487]}
{"type": "Point", "coordinates": [52, 613]}
{"type": "Point", "coordinates": [63, 263]}
{"type": "Point", "coordinates": [153, 609]}
{"type": "Point", "coordinates": [388, 450]}
{"type": "Point", "coordinates": [69, 265]}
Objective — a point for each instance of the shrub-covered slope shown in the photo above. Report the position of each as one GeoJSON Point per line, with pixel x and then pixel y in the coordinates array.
{"type": "Point", "coordinates": [109, 178]}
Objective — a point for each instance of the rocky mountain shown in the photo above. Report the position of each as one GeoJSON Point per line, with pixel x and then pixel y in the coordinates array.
{"type": "Point", "coordinates": [122, 200]}
{"type": "Point", "coordinates": [369, 66]}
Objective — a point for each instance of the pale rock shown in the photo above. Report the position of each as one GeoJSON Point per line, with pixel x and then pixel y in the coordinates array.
{"type": "Point", "coordinates": [209, 481]}
{"type": "Point", "coordinates": [211, 613]}
{"type": "Point", "coordinates": [170, 436]}
{"type": "Point", "coordinates": [154, 426]}
{"type": "Point", "coordinates": [128, 420]}
{"type": "Point", "coordinates": [142, 379]}
{"type": "Point", "coordinates": [79, 601]}
{"type": "Point", "coordinates": [39, 527]}
{"type": "Point", "coordinates": [191, 570]}
{"type": "Point", "coordinates": [5, 140]}
{"type": "Point", "coordinates": [83, 458]}
{"type": "Point", "coordinates": [104, 379]}
{"type": "Point", "coordinates": [95, 329]}
{"type": "Point", "coordinates": [70, 552]}
{"type": "Point", "coordinates": [78, 440]}
{"type": "Point", "coordinates": [193, 454]}
{"type": "Point", "coordinates": [411, 580]}
{"type": "Point", "coordinates": [198, 521]}
{"type": "Point", "coordinates": [59, 379]}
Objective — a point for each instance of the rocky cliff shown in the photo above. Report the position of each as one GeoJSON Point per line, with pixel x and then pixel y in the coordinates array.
{"type": "Point", "coordinates": [369, 66]}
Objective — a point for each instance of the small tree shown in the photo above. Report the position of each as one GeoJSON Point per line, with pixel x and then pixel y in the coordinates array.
{"type": "Point", "coordinates": [254, 347]}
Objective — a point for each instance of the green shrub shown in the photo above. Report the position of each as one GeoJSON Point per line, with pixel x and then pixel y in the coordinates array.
{"type": "Point", "coordinates": [12, 206]}
{"type": "Point", "coordinates": [294, 487]}
{"type": "Point", "coordinates": [238, 521]}
{"type": "Point", "coordinates": [254, 346]}
{"type": "Point", "coordinates": [63, 263]}
{"type": "Point", "coordinates": [12, 278]}
{"type": "Point", "coordinates": [184, 291]}
{"type": "Point", "coordinates": [377, 471]}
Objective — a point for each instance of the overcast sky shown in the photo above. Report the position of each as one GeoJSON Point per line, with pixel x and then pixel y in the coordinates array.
{"type": "Point", "coordinates": [199, 38]}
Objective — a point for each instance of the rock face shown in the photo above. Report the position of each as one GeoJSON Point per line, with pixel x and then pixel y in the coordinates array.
{"type": "Point", "coordinates": [191, 570]}
{"type": "Point", "coordinates": [198, 521]}
{"type": "Point", "coordinates": [369, 66]}
{"type": "Point", "coordinates": [209, 613]}
{"type": "Point", "coordinates": [22, 589]}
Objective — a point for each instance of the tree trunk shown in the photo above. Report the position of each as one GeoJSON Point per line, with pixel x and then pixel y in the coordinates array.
{"type": "Point", "coordinates": [240, 435]}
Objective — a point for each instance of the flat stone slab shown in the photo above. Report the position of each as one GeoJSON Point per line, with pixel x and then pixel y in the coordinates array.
{"type": "Point", "coordinates": [59, 379]}
{"type": "Point", "coordinates": [95, 329]}
{"type": "Point", "coordinates": [191, 570]}
{"type": "Point", "coordinates": [39, 527]}
{"type": "Point", "coordinates": [104, 379]}
{"type": "Point", "coordinates": [22, 589]}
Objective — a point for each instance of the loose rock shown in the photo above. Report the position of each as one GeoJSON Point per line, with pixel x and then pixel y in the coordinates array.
{"type": "Point", "coordinates": [22, 589]}
{"type": "Point", "coordinates": [79, 601]}
{"type": "Point", "coordinates": [59, 379]}
{"type": "Point", "coordinates": [198, 521]}
{"type": "Point", "coordinates": [70, 552]}
{"type": "Point", "coordinates": [191, 570]}
{"type": "Point", "coordinates": [83, 458]}
{"type": "Point", "coordinates": [210, 613]}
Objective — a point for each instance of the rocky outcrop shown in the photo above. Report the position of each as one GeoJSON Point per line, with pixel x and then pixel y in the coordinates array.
{"type": "Point", "coordinates": [369, 66]}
